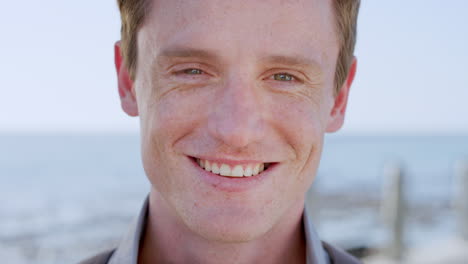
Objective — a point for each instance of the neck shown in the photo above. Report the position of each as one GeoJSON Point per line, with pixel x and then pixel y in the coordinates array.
{"type": "Point", "coordinates": [167, 240]}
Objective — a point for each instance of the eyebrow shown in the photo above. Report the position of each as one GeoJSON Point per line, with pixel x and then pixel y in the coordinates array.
{"type": "Point", "coordinates": [182, 52]}
{"type": "Point", "coordinates": [291, 60]}
{"type": "Point", "coordinates": [188, 52]}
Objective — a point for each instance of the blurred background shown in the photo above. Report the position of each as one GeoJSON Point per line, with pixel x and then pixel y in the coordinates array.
{"type": "Point", "coordinates": [71, 179]}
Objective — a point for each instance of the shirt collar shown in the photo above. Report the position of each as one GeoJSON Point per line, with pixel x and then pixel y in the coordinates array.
{"type": "Point", "coordinates": [127, 251]}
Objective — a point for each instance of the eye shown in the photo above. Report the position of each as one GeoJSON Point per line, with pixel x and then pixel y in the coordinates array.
{"type": "Point", "coordinates": [193, 71]}
{"type": "Point", "coordinates": [284, 77]}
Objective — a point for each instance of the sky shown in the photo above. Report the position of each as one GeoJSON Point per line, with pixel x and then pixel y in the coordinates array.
{"type": "Point", "coordinates": [57, 71]}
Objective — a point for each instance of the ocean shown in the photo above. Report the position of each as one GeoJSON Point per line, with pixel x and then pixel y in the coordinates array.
{"type": "Point", "coordinates": [66, 196]}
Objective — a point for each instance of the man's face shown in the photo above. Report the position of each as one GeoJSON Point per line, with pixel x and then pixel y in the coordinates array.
{"type": "Point", "coordinates": [241, 83]}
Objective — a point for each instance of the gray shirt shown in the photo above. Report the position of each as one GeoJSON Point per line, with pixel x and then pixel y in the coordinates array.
{"type": "Point", "coordinates": [127, 251]}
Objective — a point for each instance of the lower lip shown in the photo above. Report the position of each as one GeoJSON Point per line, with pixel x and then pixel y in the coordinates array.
{"type": "Point", "coordinates": [232, 184]}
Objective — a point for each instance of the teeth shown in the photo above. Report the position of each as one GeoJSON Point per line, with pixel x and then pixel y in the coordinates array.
{"type": "Point", "coordinates": [215, 168]}
{"type": "Point", "coordinates": [207, 166]}
{"type": "Point", "coordinates": [237, 171]}
{"type": "Point", "coordinates": [248, 171]}
{"type": "Point", "coordinates": [256, 169]}
{"type": "Point", "coordinates": [262, 168]}
{"type": "Point", "coordinates": [225, 170]}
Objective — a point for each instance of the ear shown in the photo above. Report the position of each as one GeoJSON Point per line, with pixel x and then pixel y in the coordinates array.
{"type": "Point", "coordinates": [338, 112]}
{"type": "Point", "coordinates": [125, 84]}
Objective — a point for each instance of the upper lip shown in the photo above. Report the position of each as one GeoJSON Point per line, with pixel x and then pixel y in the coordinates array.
{"type": "Point", "coordinates": [231, 161]}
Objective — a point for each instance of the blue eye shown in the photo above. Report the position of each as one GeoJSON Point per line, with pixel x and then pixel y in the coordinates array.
{"type": "Point", "coordinates": [193, 71]}
{"type": "Point", "coordinates": [283, 77]}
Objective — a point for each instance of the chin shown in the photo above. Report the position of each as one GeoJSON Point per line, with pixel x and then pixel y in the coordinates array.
{"type": "Point", "coordinates": [232, 220]}
{"type": "Point", "coordinates": [231, 230]}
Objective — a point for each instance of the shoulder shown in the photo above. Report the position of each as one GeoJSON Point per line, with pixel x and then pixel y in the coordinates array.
{"type": "Point", "coordinates": [101, 258]}
{"type": "Point", "coordinates": [339, 256]}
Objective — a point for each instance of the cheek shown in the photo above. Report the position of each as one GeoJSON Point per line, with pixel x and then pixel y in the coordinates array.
{"type": "Point", "coordinates": [300, 121]}
{"type": "Point", "coordinates": [169, 116]}
{"type": "Point", "coordinates": [302, 125]}
{"type": "Point", "coordinates": [165, 122]}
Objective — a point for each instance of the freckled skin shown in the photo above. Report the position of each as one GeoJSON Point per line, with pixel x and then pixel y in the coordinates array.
{"type": "Point", "coordinates": [284, 124]}
{"type": "Point", "coordinates": [236, 104]}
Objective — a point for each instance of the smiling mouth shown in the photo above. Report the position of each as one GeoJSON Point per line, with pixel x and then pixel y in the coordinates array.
{"type": "Point", "coordinates": [235, 171]}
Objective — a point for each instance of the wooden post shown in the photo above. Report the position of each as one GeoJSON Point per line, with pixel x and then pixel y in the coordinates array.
{"type": "Point", "coordinates": [394, 208]}
{"type": "Point", "coordinates": [461, 197]}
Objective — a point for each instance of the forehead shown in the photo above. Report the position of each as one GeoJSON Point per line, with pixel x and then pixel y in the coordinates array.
{"type": "Point", "coordinates": [243, 27]}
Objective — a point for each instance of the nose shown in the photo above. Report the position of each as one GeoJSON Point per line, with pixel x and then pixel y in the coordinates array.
{"type": "Point", "coordinates": [236, 120]}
